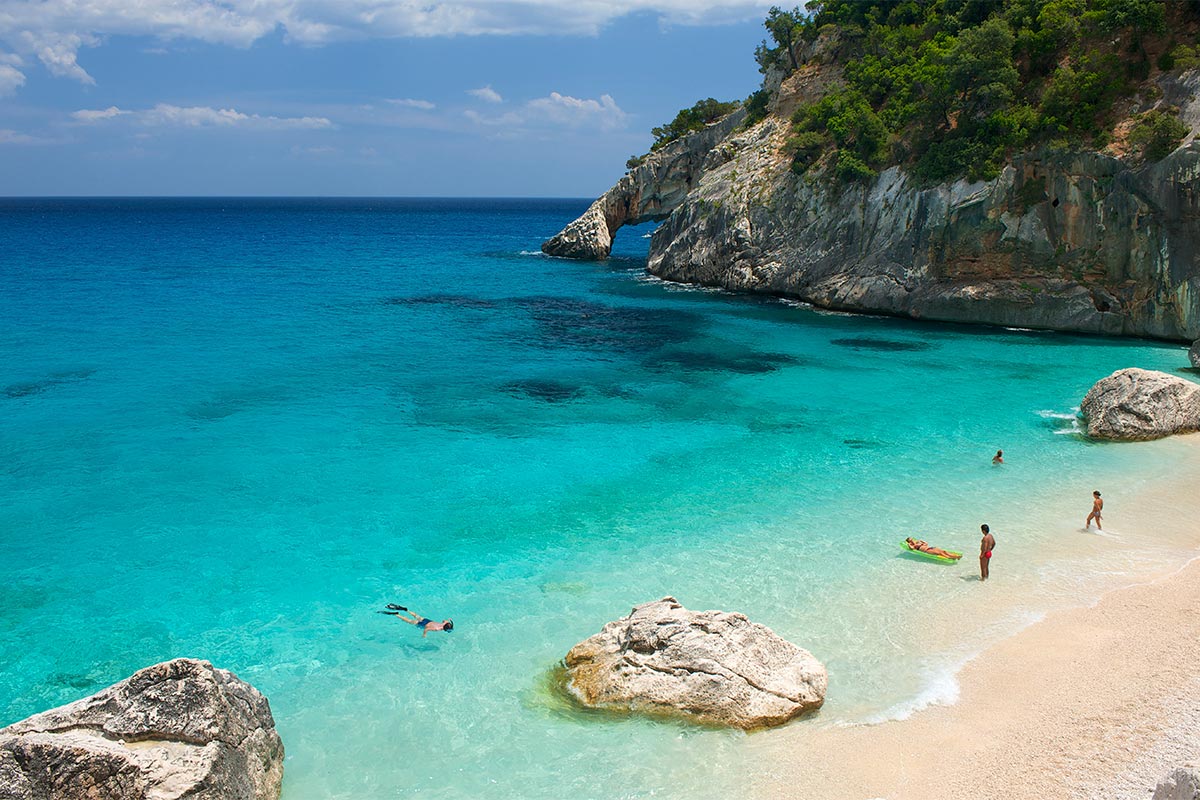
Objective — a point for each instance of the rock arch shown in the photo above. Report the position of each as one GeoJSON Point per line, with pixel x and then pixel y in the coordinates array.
{"type": "Point", "coordinates": [647, 193]}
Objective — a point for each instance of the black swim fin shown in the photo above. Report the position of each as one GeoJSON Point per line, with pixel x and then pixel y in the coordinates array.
{"type": "Point", "coordinates": [395, 607]}
{"type": "Point", "coordinates": [392, 613]}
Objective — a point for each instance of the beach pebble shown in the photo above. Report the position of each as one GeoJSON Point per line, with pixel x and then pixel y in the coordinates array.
{"type": "Point", "coordinates": [175, 729]}
{"type": "Point", "coordinates": [1136, 404]}
{"type": "Point", "coordinates": [713, 667]}
{"type": "Point", "coordinates": [1182, 784]}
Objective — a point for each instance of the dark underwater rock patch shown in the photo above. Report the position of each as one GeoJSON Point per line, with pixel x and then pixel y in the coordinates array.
{"type": "Point", "coordinates": [745, 363]}
{"type": "Point", "coordinates": [452, 300]}
{"type": "Point", "coordinates": [54, 379]}
{"type": "Point", "coordinates": [862, 444]}
{"type": "Point", "coordinates": [570, 322]}
{"type": "Point", "coordinates": [775, 426]}
{"type": "Point", "coordinates": [226, 404]}
{"type": "Point", "coordinates": [213, 410]}
{"type": "Point", "coordinates": [882, 345]}
{"type": "Point", "coordinates": [547, 391]}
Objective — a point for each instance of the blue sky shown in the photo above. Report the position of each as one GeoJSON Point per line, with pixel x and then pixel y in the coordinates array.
{"type": "Point", "coordinates": [353, 97]}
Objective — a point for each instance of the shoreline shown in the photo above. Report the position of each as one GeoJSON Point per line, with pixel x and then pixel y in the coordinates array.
{"type": "Point", "coordinates": [1091, 701]}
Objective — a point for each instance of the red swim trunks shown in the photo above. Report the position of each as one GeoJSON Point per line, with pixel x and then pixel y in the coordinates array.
{"type": "Point", "coordinates": [988, 554]}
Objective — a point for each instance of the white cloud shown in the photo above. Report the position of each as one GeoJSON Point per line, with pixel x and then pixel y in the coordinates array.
{"type": "Point", "coordinates": [487, 94]}
{"type": "Point", "coordinates": [324, 150]}
{"type": "Point", "coordinates": [54, 31]}
{"type": "Point", "coordinates": [573, 112]}
{"type": "Point", "coordinates": [166, 115]}
{"type": "Point", "coordinates": [59, 55]}
{"type": "Point", "coordinates": [9, 136]}
{"type": "Point", "coordinates": [11, 79]}
{"type": "Point", "coordinates": [557, 111]}
{"type": "Point", "coordinates": [424, 105]}
{"type": "Point", "coordinates": [89, 116]}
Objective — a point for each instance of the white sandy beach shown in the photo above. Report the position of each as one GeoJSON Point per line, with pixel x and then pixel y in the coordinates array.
{"type": "Point", "coordinates": [1092, 702]}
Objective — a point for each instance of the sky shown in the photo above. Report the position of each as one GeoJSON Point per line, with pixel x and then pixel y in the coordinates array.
{"type": "Point", "coordinates": [487, 98]}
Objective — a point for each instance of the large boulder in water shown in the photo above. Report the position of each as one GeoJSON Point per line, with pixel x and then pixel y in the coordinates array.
{"type": "Point", "coordinates": [1134, 404]}
{"type": "Point", "coordinates": [713, 667]}
{"type": "Point", "coordinates": [177, 729]}
{"type": "Point", "coordinates": [1182, 784]}
{"type": "Point", "coordinates": [1194, 354]}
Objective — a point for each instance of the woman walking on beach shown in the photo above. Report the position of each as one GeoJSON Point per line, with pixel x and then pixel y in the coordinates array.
{"type": "Point", "coordinates": [1097, 507]}
{"type": "Point", "coordinates": [986, 545]}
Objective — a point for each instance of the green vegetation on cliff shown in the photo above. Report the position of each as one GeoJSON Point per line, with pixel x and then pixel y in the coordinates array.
{"type": "Point", "coordinates": [691, 119]}
{"type": "Point", "coordinates": [950, 88]}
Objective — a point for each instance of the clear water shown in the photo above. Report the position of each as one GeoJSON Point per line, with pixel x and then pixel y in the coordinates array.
{"type": "Point", "coordinates": [233, 429]}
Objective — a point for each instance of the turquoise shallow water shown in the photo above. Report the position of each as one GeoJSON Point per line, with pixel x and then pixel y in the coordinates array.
{"type": "Point", "coordinates": [235, 428]}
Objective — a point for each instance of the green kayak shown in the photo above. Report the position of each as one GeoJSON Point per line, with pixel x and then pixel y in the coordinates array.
{"type": "Point", "coordinates": [931, 556]}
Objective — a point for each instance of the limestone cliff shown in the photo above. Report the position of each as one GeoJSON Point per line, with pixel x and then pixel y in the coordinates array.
{"type": "Point", "coordinates": [1064, 240]}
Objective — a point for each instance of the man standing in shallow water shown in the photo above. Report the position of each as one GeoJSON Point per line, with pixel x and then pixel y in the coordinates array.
{"type": "Point", "coordinates": [986, 545]}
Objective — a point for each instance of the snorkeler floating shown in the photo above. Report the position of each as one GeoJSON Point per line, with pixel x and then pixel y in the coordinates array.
{"type": "Point", "coordinates": [426, 625]}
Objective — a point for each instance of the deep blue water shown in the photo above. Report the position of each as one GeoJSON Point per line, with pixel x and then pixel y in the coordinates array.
{"type": "Point", "coordinates": [233, 429]}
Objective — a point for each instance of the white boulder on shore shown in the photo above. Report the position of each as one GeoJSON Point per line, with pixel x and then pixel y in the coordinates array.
{"type": "Point", "coordinates": [179, 729]}
{"type": "Point", "coordinates": [713, 667]}
{"type": "Point", "coordinates": [1139, 404]}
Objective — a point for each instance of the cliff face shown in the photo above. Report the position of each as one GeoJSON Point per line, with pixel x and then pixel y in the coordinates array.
{"type": "Point", "coordinates": [1077, 241]}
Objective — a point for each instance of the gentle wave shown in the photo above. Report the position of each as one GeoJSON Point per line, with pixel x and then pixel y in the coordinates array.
{"type": "Point", "coordinates": [941, 686]}
{"type": "Point", "coordinates": [1064, 423]}
{"type": "Point", "coordinates": [675, 286]}
{"type": "Point", "coordinates": [1047, 414]}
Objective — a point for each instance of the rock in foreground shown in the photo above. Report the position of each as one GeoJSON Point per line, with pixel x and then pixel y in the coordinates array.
{"type": "Point", "coordinates": [713, 667]}
{"type": "Point", "coordinates": [1138, 404]}
{"type": "Point", "coordinates": [177, 729]}
{"type": "Point", "coordinates": [1182, 784]}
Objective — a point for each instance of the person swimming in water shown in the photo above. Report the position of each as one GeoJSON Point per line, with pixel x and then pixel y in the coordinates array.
{"type": "Point", "coordinates": [1097, 507]}
{"type": "Point", "coordinates": [926, 547]}
{"type": "Point", "coordinates": [986, 545]}
{"type": "Point", "coordinates": [998, 458]}
{"type": "Point", "coordinates": [426, 625]}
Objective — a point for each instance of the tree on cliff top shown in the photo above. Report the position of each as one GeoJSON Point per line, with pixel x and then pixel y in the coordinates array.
{"type": "Point", "coordinates": [692, 119]}
{"type": "Point", "coordinates": [786, 28]}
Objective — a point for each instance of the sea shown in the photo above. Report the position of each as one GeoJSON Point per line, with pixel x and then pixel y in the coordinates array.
{"type": "Point", "coordinates": [234, 429]}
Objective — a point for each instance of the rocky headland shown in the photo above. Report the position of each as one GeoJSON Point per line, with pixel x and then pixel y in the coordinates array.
{"type": "Point", "coordinates": [712, 667]}
{"type": "Point", "coordinates": [1065, 238]}
{"type": "Point", "coordinates": [179, 729]}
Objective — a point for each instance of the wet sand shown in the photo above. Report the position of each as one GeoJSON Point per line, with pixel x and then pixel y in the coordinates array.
{"type": "Point", "coordinates": [1092, 702]}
